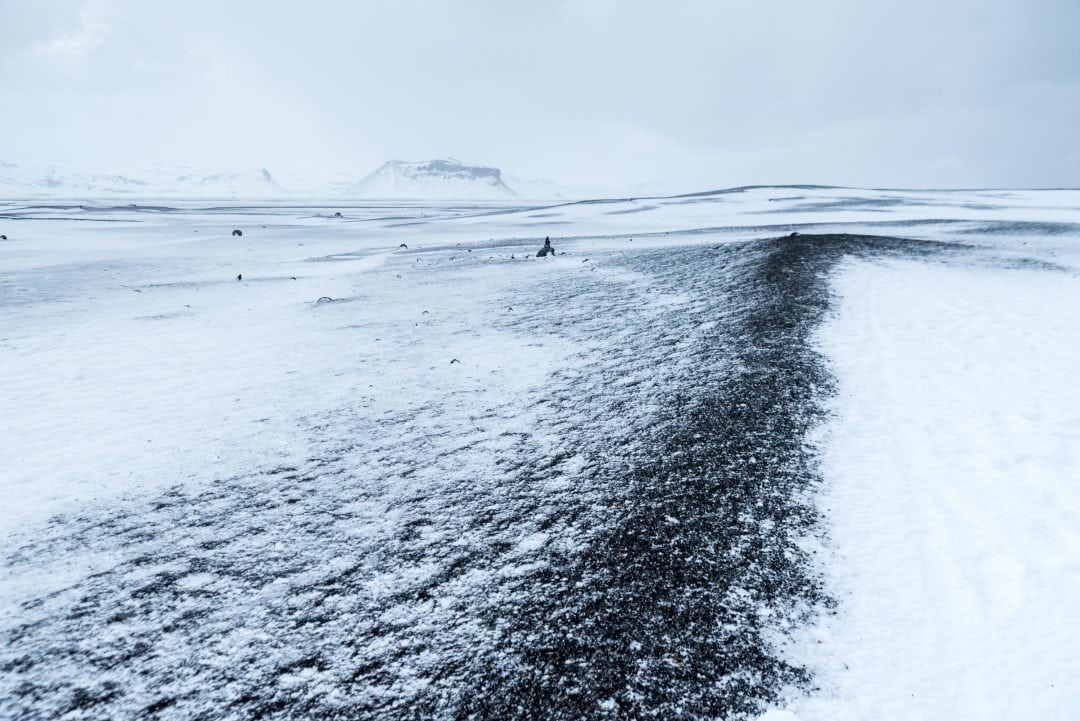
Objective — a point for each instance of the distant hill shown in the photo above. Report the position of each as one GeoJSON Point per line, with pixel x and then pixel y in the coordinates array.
{"type": "Point", "coordinates": [444, 178]}
{"type": "Point", "coordinates": [66, 180]}
{"type": "Point", "coordinates": [441, 179]}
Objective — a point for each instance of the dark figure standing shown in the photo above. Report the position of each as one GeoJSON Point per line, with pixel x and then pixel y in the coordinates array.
{"type": "Point", "coordinates": [546, 250]}
{"type": "Point", "coordinates": [239, 276]}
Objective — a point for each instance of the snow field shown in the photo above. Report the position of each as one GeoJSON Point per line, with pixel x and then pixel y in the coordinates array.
{"type": "Point", "coordinates": [319, 465]}
{"type": "Point", "coordinates": [952, 496]}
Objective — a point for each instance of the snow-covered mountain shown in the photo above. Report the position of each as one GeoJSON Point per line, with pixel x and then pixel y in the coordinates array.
{"type": "Point", "coordinates": [444, 178]}
{"type": "Point", "coordinates": [66, 180]}
{"type": "Point", "coordinates": [441, 179]}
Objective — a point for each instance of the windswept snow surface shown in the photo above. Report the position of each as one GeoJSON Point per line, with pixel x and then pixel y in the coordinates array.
{"type": "Point", "coordinates": [952, 494]}
{"type": "Point", "coordinates": [690, 467]}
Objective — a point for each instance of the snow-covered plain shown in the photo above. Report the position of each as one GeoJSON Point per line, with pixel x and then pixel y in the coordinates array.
{"type": "Point", "coordinates": [355, 481]}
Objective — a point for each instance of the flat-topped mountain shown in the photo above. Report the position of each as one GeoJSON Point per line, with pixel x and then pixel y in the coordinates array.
{"type": "Point", "coordinates": [444, 178]}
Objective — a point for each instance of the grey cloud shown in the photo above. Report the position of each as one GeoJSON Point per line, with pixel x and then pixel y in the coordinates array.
{"type": "Point", "coordinates": [593, 92]}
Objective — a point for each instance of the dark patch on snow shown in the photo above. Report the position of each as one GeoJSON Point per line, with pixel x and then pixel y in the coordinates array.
{"type": "Point", "coordinates": [667, 613]}
{"type": "Point", "coordinates": [1016, 227]}
{"type": "Point", "coordinates": [852, 203]}
{"type": "Point", "coordinates": [630, 211]}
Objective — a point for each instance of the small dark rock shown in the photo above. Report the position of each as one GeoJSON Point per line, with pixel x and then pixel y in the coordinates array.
{"type": "Point", "coordinates": [237, 233]}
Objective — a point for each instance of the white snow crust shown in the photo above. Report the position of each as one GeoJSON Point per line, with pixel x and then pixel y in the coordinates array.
{"type": "Point", "coordinates": [952, 493]}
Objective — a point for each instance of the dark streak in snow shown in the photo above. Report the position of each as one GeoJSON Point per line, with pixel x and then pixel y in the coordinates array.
{"type": "Point", "coordinates": [665, 552]}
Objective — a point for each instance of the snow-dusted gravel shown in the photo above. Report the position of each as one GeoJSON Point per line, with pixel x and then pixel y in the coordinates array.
{"type": "Point", "coordinates": [452, 480]}
{"type": "Point", "coordinates": [605, 534]}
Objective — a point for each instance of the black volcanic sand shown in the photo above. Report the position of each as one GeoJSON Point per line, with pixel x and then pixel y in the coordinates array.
{"type": "Point", "coordinates": [671, 553]}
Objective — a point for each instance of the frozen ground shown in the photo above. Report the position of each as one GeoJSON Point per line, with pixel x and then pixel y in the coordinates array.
{"type": "Point", "coordinates": [688, 469]}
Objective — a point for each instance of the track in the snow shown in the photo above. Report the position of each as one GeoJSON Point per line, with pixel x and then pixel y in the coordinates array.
{"type": "Point", "coordinates": [662, 559]}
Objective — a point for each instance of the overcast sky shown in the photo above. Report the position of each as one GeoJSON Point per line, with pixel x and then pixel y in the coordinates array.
{"type": "Point", "coordinates": [690, 95]}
